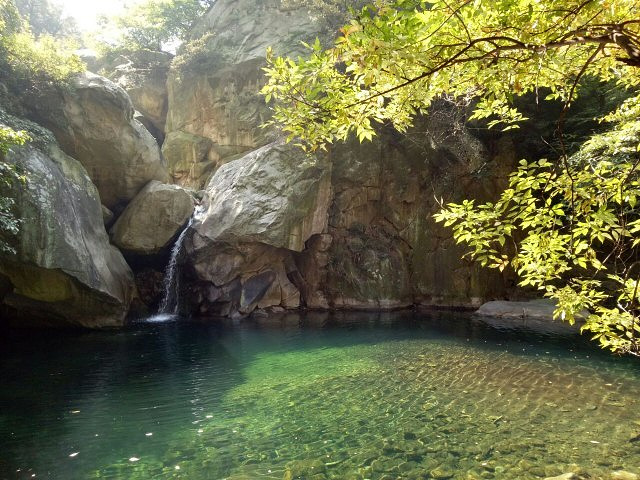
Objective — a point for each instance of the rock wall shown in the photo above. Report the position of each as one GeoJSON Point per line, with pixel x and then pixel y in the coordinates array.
{"type": "Point", "coordinates": [277, 228]}
{"type": "Point", "coordinates": [215, 110]}
{"type": "Point", "coordinates": [379, 246]}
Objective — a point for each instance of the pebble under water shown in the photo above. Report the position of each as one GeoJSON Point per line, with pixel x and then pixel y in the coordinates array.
{"type": "Point", "coordinates": [344, 396]}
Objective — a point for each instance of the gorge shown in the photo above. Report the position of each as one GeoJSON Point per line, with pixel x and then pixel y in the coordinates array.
{"type": "Point", "coordinates": [191, 288]}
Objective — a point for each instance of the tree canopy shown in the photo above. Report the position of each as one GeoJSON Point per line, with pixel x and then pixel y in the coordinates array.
{"type": "Point", "coordinates": [156, 24]}
{"type": "Point", "coordinates": [567, 225]}
{"type": "Point", "coordinates": [393, 60]}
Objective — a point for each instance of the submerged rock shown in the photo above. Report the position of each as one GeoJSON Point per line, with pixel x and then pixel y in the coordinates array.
{"type": "Point", "coordinates": [93, 122]}
{"type": "Point", "coordinates": [624, 475]}
{"type": "Point", "coordinates": [64, 271]}
{"type": "Point", "coordinates": [153, 218]}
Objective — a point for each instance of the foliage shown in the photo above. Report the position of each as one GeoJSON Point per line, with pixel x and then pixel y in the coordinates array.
{"type": "Point", "coordinates": [194, 57]}
{"type": "Point", "coordinates": [45, 18]}
{"type": "Point", "coordinates": [568, 227]}
{"type": "Point", "coordinates": [29, 65]}
{"type": "Point", "coordinates": [571, 231]}
{"type": "Point", "coordinates": [156, 24]}
{"type": "Point", "coordinates": [332, 13]}
{"type": "Point", "coordinates": [394, 60]}
{"type": "Point", "coordinates": [8, 223]}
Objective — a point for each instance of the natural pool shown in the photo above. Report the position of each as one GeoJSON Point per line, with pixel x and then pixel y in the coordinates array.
{"type": "Point", "coordinates": [377, 396]}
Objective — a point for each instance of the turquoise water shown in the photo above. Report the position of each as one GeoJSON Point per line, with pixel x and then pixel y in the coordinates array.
{"type": "Point", "coordinates": [358, 396]}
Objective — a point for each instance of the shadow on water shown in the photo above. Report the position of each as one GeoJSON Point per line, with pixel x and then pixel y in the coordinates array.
{"type": "Point", "coordinates": [97, 391]}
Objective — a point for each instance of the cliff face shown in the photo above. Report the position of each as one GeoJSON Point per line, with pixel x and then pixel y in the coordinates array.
{"type": "Point", "coordinates": [379, 246]}
{"type": "Point", "coordinates": [276, 228]}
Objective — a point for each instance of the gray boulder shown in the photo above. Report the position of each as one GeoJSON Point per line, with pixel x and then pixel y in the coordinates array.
{"type": "Point", "coordinates": [534, 315]}
{"type": "Point", "coordinates": [260, 210]}
{"type": "Point", "coordinates": [153, 218]}
{"type": "Point", "coordinates": [64, 271]}
{"type": "Point", "coordinates": [275, 195]}
{"type": "Point", "coordinates": [93, 122]}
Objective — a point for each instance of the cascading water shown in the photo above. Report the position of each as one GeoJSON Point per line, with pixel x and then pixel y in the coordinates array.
{"type": "Point", "coordinates": [170, 304]}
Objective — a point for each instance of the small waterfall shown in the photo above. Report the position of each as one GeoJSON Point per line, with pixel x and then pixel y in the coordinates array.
{"type": "Point", "coordinates": [169, 306]}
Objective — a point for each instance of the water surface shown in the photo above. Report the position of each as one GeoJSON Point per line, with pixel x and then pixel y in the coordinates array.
{"type": "Point", "coordinates": [357, 396]}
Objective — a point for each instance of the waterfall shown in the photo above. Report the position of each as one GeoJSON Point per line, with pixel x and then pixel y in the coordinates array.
{"type": "Point", "coordinates": [171, 285]}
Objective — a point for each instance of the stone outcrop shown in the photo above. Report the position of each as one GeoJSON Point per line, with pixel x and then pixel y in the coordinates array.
{"type": "Point", "coordinates": [259, 210]}
{"type": "Point", "coordinates": [153, 218]}
{"type": "Point", "coordinates": [64, 271]}
{"type": "Point", "coordinates": [93, 123]}
{"type": "Point", "coordinates": [275, 195]}
{"type": "Point", "coordinates": [143, 75]}
{"type": "Point", "coordinates": [213, 94]}
{"type": "Point", "coordinates": [535, 315]}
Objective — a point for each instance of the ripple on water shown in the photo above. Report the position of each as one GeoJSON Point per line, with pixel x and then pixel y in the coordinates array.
{"type": "Point", "coordinates": [351, 404]}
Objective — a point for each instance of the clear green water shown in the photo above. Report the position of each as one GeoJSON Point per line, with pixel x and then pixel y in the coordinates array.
{"type": "Point", "coordinates": [356, 396]}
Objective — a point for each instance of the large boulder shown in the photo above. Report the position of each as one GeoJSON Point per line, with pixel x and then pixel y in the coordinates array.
{"type": "Point", "coordinates": [153, 218]}
{"type": "Point", "coordinates": [259, 210]}
{"type": "Point", "coordinates": [275, 195]}
{"type": "Point", "coordinates": [64, 271]}
{"type": "Point", "coordinates": [93, 121]}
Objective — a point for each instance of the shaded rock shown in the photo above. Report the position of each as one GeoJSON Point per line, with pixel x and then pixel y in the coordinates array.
{"type": "Point", "coordinates": [387, 251]}
{"type": "Point", "coordinates": [533, 314]}
{"type": "Point", "coordinates": [232, 280]}
{"type": "Point", "coordinates": [153, 218]}
{"type": "Point", "coordinates": [275, 195]}
{"type": "Point", "coordinates": [93, 122]}
{"type": "Point", "coordinates": [150, 286]}
{"type": "Point", "coordinates": [64, 271]}
{"type": "Point", "coordinates": [189, 158]}
{"type": "Point", "coordinates": [107, 216]}
{"type": "Point", "coordinates": [254, 289]}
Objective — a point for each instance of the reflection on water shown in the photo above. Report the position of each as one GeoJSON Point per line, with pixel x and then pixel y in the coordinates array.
{"type": "Point", "coordinates": [349, 396]}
